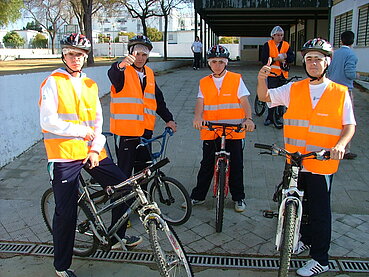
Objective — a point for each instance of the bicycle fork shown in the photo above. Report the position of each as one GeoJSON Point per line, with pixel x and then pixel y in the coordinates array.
{"type": "Point", "coordinates": [216, 174]}
{"type": "Point", "coordinates": [291, 194]}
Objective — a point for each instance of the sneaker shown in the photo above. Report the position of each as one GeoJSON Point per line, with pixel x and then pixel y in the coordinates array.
{"type": "Point", "coordinates": [66, 273]}
{"type": "Point", "coordinates": [194, 68]}
{"type": "Point", "coordinates": [349, 156]}
{"type": "Point", "coordinates": [193, 202]}
{"type": "Point", "coordinates": [301, 247]}
{"type": "Point", "coordinates": [240, 205]}
{"type": "Point", "coordinates": [267, 122]}
{"type": "Point", "coordinates": [129, 241]}
{"type": "Point", "coordinates": [312, 268]}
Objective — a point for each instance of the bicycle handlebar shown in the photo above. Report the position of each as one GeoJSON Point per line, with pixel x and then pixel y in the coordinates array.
{"type": "Point", "coordinates": [297, 156]}
{"type": "Point", "coordinates": [213, 125]}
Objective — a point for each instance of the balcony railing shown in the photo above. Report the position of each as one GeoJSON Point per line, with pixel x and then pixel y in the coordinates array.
{"type": "Point", "coordinates": [221, 4]}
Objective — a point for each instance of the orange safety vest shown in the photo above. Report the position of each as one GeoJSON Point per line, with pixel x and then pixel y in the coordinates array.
{"type": "Point", "coordinates": [222, 106]}
{"type": "Point", "coordinates": [273, 52]}
{"type": "Point", "coordinates": [81, 111]}
{"type": "Point", "coordinates": [131, 110]}
{"type": "Point", "coordinates": [307, 129]}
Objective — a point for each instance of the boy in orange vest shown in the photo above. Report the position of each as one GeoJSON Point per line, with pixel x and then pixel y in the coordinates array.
{"type": "Point", "coordinates": [71, 121]}
{"type": "Point", "coordinates": [282, 55]}
{"type": "Point", "coordinates": [222, 97]}
{"type": "Point", "coordinates": [319, 116]}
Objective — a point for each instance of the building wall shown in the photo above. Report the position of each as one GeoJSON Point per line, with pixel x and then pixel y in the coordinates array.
{"type": "Point", "coordinates": [343, 7]}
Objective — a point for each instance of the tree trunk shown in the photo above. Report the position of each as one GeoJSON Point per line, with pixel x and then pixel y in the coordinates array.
{"type": "Point", "coordinates": [165, 37]}
{"type": "Point", "coordinates": [144, 27]}
{"type": "Point", "coordinates": [87, 22]}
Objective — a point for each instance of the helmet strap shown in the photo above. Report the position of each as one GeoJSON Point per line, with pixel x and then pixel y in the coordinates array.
{"type": "Point", "coordinates": [218, 75]}
{"type": "Point", "coordinates": [312, 78]}
{"type": "Point", "coordinates": [71, 71]}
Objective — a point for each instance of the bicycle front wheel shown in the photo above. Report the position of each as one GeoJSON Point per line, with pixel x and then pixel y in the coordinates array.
{"type": "Point", "coordinates": [172, 198]}
{"type": "Point", "coordinates": [287, 238]}
{"type": "Point", "coordinates": [168, 250]}
{"type": "Point", "coordinates": [85, 243]}
{"type": "Point", "coordinates": [259, 106]}
{"type": "Point", "coordinates": [219, 210]}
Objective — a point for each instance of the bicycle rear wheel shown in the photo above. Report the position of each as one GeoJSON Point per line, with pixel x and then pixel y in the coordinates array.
{"type": "Point", "coordinates": [168, 250]}
{"type": "Point", "coordinates": [287, 238]}
{"type": "Point", "coordinates": [219, 210]}
{"type": "Point", "coordinates": [170, 195]}
{"type": "Point", "coordinates": [259, 106]}
{"type": "Point", "coordinates": [85, 243]}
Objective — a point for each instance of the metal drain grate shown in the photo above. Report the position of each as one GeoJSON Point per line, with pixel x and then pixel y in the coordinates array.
{"type": "Point", "coordinates": [354, 266]}
{"type": "Point", "coordinates": [17, 248]}
{"type": "Point", "coordinates": [262, 263]}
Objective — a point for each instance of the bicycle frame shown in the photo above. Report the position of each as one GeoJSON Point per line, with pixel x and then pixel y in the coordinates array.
{"type": "Point", "coordinates": [146, 210]}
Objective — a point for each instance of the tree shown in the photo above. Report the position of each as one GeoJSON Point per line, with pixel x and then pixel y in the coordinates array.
{"type": "Point", "coordinates": [50, 14]}
{"type": "Point", "coordinates": [154, 34]}
{"type": "Point", "coordinates": [10, 11]}
{"type": "Point", "coordinates": [142, 9]}
{"type": "Point", "coordinates": [39, 41]}
{"type": "Point", "coordinates": [13, 39]}
{"type": "Point", "coordinates": [34, 25]}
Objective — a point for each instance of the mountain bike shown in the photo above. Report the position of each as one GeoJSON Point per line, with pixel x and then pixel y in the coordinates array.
{"type": "Point", "coordinates": [166, 191]}
{"type": "Point", "coordinates": [221, 169]}
{"type": "Point", "coordinates": [290, 199]}
{"type": "Point", "coordinates": [277, 116]}
{"type": "Point", "coordinates": [93, 232]}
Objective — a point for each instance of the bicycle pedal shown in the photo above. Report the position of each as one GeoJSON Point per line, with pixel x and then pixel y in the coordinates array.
{"type": "Point", "coordinates": [269, 214]}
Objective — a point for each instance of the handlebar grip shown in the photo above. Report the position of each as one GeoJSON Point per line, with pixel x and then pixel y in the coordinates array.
{"type": "Point", "coordinates": [263, 146]}
{"type": "Point", "coordinates": [159, 164]}
{"type": "Point", "coordinates": [169, 131]}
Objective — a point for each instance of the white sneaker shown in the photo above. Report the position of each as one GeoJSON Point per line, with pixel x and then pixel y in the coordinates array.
{"type": "Point", "coordinates": [240, 205]}
{"type": "Point", "coordinates": [312, 268]}
{"type": "Point", "coordinates": [301, 247]}
{"type": "Point", "coordinates": [65, 273]}
{"type": "Point", "coordinates": [129, 241]}
{"type": "Point", "coordinates": [193, 202]}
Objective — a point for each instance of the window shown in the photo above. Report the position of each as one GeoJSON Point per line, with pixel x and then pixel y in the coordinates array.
{"type": "Point", "coordinates": [300, 39]}
{"type": "Point", "coordinates": [342, 23]}
{"type": "Point", "coordinates": [362, 38]}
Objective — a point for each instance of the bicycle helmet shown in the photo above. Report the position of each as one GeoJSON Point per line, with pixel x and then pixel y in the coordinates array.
{"type": "Point", "coordinates": [78, 41]}
{"type": "Point", "coordinates": [139, 40]}
{"type": "Point", "coordinates": [217, 51]}
{"type": "Point", "coordinates": [317, 44]}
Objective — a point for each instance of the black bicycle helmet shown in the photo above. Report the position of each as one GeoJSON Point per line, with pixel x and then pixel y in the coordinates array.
{"type": "Point", "coordinates": [78, 41]}
{"type": "Point", "coordinates": [217, 51]}
{"type": "Point", "coordinates": [139, 40]}
{"type": "Point", "coordinates": [317, 44]}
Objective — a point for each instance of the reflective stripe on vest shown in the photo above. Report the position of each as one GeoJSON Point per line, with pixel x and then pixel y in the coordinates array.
{"type": "Point", "coordinates": [273, 53]}
{"type": "Point", "coordinates": [133, 111]}
{"type": "Point", "coordinates": [222, 106]}
{"type": "Point", "coordinates": [76, 110]}
{"type": "Point", "coordinates": [307, 129]}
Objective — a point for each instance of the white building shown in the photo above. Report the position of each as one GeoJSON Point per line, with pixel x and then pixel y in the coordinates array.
{"type": "Point", "coordinates": [352, 15]}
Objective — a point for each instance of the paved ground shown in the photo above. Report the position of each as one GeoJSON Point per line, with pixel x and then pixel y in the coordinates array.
{"type": "Point", "coordinates": [23, 181]}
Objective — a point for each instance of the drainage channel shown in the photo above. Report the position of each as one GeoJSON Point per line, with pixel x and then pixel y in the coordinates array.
{"type": "Point", "coordinates": [264, 263]}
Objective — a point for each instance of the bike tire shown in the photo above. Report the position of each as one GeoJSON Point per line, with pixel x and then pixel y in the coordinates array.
{"type": "Point", "coordinates": [259, 106]}
{"type": "Point", "coordinates": [278, 116]}
{"type": "Point", "coordinates": [219, 210]}
{"type": "Point", "coordinates": [85, 243]}
{"type": "Point", "coordinates": [170, 195]}
{"type": "Point", "coordinates": [168, 251]}
{"type": "Point", "coordinates": [287, 238]}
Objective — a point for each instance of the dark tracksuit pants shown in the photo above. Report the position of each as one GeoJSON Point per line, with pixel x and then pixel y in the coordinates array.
{"type": "Point", "coordinates": [129, 156]}
{"type": "Point", "coordinates": [274, 82]}
{"type": "Point", "coordinates": [206, 171]}
{"type": "Point", "coordinates": [197, 59]}
{"type": "Point", "coordinates": [65, 179]}
{"type": "Point", "coordinates": [317, 231]}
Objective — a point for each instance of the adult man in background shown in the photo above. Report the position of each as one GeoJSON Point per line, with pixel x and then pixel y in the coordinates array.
{"type": "Point", "coordinates": [196, 48]}
{"type": "Point", "coordinates": [135, 101]}
{"type": "Point", "coordinates": [343, 71]}
{"type": "Point", "coordinates": [282, 55]}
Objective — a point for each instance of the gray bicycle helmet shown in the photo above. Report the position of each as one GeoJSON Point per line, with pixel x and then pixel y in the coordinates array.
{"type": "Point", "coordinates": [217, 51]}
{"type": "Point", "coordinates": [317, 44]}
{"type": "Point", "coordinates": [139, 40]}
{"type": "Point", "coordinates": [78, 41]}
